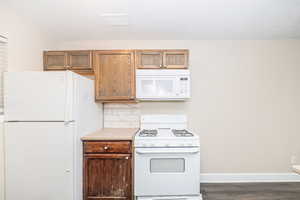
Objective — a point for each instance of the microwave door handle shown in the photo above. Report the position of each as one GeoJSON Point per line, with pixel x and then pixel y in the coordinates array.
{"type": "Point", "coordinates": [167, 152]}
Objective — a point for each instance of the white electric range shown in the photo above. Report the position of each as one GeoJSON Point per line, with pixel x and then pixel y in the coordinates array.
{"type": "Point", "coordinates": [167, 159]}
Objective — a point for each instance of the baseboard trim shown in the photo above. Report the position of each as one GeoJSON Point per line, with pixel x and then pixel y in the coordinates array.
{"type": "Point", "coordinates": [248, 177]}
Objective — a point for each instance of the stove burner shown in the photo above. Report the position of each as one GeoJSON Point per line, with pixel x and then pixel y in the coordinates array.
{"type": "Point", "coordinates": [182, 133]}
{"type": "Point", "coordinates": [148, 133]}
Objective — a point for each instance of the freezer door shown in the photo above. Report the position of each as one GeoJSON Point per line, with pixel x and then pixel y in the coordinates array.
{"type": "Point", "coordinates": [39, 161]}
{"type": "Point", "coordinates": [38, 96]}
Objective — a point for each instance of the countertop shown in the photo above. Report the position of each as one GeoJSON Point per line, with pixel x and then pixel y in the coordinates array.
{"type": "Point", "coordinates": [112, 134]}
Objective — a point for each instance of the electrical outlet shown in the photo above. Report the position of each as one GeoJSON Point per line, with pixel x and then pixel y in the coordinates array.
{"type": "Point", "coordinates": [293, 160]}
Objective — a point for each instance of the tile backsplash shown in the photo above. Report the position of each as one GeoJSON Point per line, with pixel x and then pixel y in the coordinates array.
{"type": "Point", "coordinates": [120, 115]}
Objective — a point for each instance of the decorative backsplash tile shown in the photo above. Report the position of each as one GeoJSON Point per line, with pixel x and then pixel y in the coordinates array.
{"type": "Point", "coordinates": [117, 115]}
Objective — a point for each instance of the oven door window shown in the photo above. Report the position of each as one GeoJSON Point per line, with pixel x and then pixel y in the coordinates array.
{"type": "Point", "coordinates": [167, 165]}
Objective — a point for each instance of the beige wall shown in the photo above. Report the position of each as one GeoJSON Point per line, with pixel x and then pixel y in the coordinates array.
{"type": "Point", "coordinates": [26, 42]}
{"type": "Point", "coordinates": [25, 47]}
{"type": "Point", "coordinates": [245, 101]}
{"type": "Point", "coordinates": [1, 161]}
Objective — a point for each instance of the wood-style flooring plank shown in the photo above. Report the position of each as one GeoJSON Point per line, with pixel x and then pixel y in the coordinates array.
{"type": "Point", "coordinates": [251, 191]}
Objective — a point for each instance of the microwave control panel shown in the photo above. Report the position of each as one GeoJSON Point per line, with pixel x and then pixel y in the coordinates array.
{"type": "Point", "coordinates": [184, 86]}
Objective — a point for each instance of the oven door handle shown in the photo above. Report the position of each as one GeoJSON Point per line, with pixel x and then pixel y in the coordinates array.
{"type": "Point", "coordinates": [173, 198]}
{"type": "Point", "coordinates": [167, 152]}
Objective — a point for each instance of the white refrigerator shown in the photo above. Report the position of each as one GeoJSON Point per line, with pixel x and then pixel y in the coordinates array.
{"type": "Point", "coordinates": [46, 114]}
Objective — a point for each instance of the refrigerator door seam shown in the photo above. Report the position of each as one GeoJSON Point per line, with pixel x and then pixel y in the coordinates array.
{"type": "Point", "coordinates": [33, 121]}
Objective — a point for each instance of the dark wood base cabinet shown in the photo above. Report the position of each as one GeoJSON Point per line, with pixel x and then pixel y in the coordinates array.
{"type": "Point", "coordinates": [108, 170]}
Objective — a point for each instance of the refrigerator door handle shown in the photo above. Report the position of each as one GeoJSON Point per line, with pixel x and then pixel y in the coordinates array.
{"type": "Point", "coordinates": [70, 84]}
{"type": "Point", "coordinates": [68, 122]}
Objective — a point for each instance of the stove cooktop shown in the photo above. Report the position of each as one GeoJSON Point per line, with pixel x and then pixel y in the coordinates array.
{"type": "Point", "coordinates": [166, 137]}
{"type": "Point", "coordinates": [148, 133]}
{"type": "Point", "coordinates": [165, 131]}
{"type": "Point", "coordinates": [182, 133]}
{"type": "Point", "coordinates": [154, 133]}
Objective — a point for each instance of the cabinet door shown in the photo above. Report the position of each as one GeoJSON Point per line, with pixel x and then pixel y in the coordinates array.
{"type": "Point", "coordinates": [55, 60]}
{"type": "Point", "coordinates": [175, 59]}
{"type": "Point", "coordinates": [115, 75]}
{"type": "Point", "coordinates": [149, 59]}
{"type": "Point", "coordinates": [80, 60]}
{"type": "Point", "coordinates": [108, 176]}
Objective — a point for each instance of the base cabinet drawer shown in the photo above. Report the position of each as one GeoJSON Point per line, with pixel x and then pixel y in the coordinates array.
{"type": "Point", "coordinates": [107, 147]}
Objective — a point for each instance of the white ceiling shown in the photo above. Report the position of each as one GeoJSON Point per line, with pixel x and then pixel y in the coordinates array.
{"type": "Point", "coordinates": [164, 19]}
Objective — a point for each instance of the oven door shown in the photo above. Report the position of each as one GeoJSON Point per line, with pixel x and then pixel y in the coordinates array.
{"type": "Point", "coordinates": [167, 171]}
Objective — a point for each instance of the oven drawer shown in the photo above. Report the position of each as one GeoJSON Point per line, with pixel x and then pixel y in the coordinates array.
{"type": "Point", "coordinates": [107, 147]}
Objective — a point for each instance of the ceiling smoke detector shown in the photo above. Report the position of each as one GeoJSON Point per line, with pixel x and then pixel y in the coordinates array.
{"type": "Point", "coordinates": [116, 19]}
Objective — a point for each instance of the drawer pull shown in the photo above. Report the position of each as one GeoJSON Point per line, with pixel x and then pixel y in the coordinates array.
{"type": "Point", "coordinates": [106, 148]}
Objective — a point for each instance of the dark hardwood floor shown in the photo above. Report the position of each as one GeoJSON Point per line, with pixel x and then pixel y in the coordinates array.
{"type": "Point", "coordinates": [251, 191]}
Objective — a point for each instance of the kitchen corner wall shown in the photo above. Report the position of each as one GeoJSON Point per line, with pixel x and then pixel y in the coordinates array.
{"type": "Point", "coordinates": [245, 100]}
{"type": "Point", "coordinates": [25, 46]}
{"type": "Point", "coordinates": [25, 41]}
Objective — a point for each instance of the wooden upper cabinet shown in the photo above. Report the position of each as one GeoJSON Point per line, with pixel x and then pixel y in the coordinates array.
{"type": "Point", "coordinates": [55, 60]}
{"type": "Point", "coordinates": [149, 59]}
{"type": "Point", "coordinates": [162, 59]}
{"type": "Point", "coordinates": [78, 61]}
{"type": "Point", "coordinates": [114, 75]}
{"type": "Point", "coordinates": [175, 59]}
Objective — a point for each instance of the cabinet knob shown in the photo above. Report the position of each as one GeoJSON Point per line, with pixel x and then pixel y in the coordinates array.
{"type": "Point", "coordinates": [105, 148]}
{"type": "Point", "coordinates": [160, 65]}
{"type": "Point", "coordinates": [126, 157]}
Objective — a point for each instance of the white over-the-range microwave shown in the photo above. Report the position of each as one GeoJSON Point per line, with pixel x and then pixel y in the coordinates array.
{"type": "Point", "coordinates": [162, 85]}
